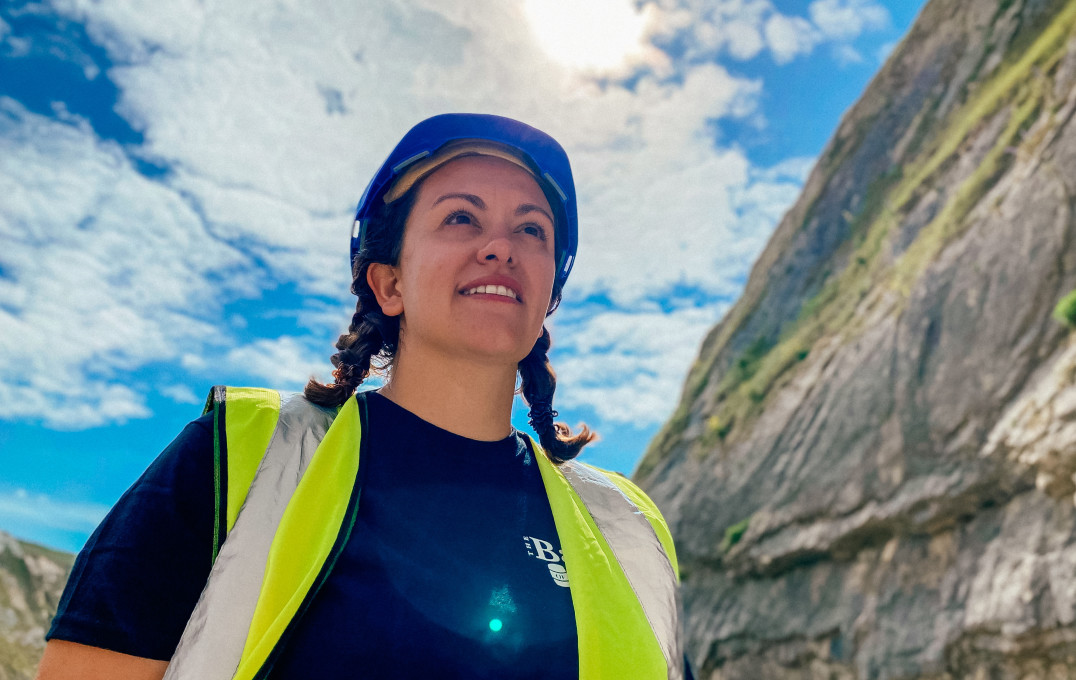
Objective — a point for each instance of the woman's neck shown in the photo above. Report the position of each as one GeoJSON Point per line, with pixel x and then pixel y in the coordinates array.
{"type": "Point", "coordinates": [473, 400]}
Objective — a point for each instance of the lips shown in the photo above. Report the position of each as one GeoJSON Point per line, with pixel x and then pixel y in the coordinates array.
{"type": "Point", "coordinates": [503, 286]}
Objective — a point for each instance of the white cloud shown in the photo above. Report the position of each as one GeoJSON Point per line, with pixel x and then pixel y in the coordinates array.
{"type": "Point", "coordinates": [716, 27]}
{"type": "Point", "coordinates": [569, 32]}
{"type": "Point", "coordinates": [128, 29]}
{"type": "Point", "coordinates": [295, 244]}
{"type": "Point", "coordinates": [789, 37]}
{"type": "Point", "coordinates": [793, 169]}
{"type": "Point", "coordinates": [278, 171]}
{"type": "Point", "coordinates": [272, 117]}
{"type": "Point", "coordinates": [196, 363]}
{"type": "Point", "coordinates": [847, 19]}
{"type": "Point", "coordinates": [319, 315]}
{"type": "Point", "coordinates": [883, 52]}
{"type": "Point", "coordinates": [20, 506]}
{"type": "Point", "coordinates": [740, 35]}
{"type": "Point", "coordinates": [243, 105]}
{"type": "Point", "coordinates": [846, 54]}
{"type": "Point", "coordinates": [104, 271]}
{"type": "Point", "coordinates": [759, 206]}
{"type": "Point", "coordinates": [629, 364]}
{"type": "Point", "coordinates": [655, 189]}
{"type": "Point", "coordinates": [181, 394]}
{"type": "Point", "coordinates": [744, 39]}
{"type": "Point", "coordinates": [629, 367]}
{"type": "Point", "coordinates": [72, 403]}
{"type": "Point", "coordinates": [743, 29]}
{"type": "Point", "coordinates": [283, 362]}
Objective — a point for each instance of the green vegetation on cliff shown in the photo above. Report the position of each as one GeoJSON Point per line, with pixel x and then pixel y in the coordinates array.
{"type": "Point", "coordinates": [1065, 311]}
{"type": "Point", "coordinates": [1015, 97]}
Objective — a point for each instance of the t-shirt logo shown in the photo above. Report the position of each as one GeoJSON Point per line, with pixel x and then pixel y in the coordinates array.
{"type": "Point", "coordinates": [554, 559]}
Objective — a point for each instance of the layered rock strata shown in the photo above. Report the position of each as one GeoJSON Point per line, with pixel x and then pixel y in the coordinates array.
{"type": "Point", "coordinates": [871, 472]}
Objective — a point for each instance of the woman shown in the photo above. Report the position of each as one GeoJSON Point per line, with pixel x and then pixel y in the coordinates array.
{"type": "Point", "coordinates": [411, 531]}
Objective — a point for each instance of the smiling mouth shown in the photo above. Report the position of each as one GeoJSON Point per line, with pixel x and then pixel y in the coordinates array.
{"type": "Point", "coordinates": [493, 290]}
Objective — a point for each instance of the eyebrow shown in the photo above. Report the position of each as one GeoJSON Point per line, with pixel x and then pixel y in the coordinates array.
{"type": "Point", "coordinates": [530, 207]}
{"type": "Point", "coordinates": [470, 198]}
{"type": "Point", "coordinates": [477, 202]}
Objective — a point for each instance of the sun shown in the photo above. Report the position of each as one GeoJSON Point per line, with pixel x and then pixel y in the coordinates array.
{"type": "Point", "coordinates": [589, 35]}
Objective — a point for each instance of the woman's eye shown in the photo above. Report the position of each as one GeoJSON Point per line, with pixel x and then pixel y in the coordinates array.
{"type": "Point", "coordinates": [460, 217]}
{"type": "Point", "coordinates": [536, 230]}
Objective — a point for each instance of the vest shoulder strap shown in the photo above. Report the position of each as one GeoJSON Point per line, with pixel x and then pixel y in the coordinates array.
{"type": "Point", "coordinates": [649, 510]}
{"type": "Point", "coordinates": [623, 580]}
{"type": "Point", "coordinates": [243, 423]}
{"type": "Point", "coordinates": [213, 641]}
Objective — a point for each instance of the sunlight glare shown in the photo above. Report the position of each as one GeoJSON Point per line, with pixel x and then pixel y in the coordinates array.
{"type": "Point", "coordinates": [599, 35]}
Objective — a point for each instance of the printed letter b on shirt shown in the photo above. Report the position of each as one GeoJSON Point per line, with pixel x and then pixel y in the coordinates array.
{"type": "Point", "coordinates": [543, 550]}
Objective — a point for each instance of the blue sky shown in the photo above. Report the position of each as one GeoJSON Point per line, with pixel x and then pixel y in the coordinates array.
{"type": "Point", "coordinates": [178, 180]}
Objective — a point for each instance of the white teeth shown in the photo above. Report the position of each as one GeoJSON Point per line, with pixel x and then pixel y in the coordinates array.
{"type": "Point", "coordinates": [493, 290]}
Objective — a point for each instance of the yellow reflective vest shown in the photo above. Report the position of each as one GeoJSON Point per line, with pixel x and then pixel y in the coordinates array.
{"type": "Point", "coordinates": [288, 485]}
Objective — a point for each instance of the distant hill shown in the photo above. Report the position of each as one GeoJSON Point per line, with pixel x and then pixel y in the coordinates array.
{"type": "Point", "coordinates": [871, 470]}
{"type": "Point", "coordinates": [31, 580]}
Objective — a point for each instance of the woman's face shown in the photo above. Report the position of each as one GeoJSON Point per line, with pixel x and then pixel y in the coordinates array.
{"type": "Point", "coordinates": [477, 265]}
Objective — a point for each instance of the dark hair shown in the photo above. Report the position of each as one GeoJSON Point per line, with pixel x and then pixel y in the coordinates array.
{"type": "Point", "coordinates": [373, 337]}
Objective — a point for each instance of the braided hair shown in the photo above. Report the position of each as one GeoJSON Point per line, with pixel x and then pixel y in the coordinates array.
{"type": "Point", "coordinates": [373, 337]}
{"type": "Point", "coordinates": [537, 383]}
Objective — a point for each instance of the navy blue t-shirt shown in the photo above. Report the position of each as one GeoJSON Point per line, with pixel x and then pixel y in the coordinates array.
{"type": "Point", "coordinates": [453, 569]}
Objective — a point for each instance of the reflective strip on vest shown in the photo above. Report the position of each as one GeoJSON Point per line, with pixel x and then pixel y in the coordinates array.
{"type": "Point", "coordinates": [212, 643]}
{"type": "Point", "coordinates": [616, 547]}
{"type": "Point", "coordinates": [319, 517]}
{"type": "Point", "coordinates": [619, 636]}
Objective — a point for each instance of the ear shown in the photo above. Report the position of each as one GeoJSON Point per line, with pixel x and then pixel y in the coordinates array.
{"type": "Point", "coordinates": [383, 279]}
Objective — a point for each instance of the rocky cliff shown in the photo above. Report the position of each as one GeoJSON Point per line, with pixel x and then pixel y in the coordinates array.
{"type": "Point", "coordinates": [31, 581]}
{"type": "Point", "coordinates": [871, 471]}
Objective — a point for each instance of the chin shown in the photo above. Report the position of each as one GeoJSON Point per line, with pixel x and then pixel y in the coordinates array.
{"type": "Point", "coordinates": [499, 352]}
{"type": "Point", "coordinates": [500, 343]}
{"type": "Point", "coordinates": [512, 355]}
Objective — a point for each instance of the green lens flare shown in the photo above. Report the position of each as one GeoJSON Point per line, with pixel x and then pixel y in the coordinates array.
{"type": "Point", "coordinates": [495, 625]}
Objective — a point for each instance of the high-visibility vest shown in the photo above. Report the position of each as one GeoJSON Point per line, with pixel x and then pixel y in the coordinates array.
{"type": "Point", "coordinates": [291, 484]}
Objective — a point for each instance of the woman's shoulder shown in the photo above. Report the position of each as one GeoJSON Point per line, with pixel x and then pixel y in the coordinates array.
{"type": "Point", "coordinates": [135, 582]}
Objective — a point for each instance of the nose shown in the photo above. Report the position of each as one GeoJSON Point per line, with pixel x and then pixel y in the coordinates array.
{"type": "Point", "coordinates": [499, 248]}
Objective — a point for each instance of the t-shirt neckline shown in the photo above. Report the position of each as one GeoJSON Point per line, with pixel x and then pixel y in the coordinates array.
{"type": "Point", "coordinates": [411, 426]}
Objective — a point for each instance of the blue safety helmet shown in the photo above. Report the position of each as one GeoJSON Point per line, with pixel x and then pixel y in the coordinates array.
{"type": "Point", "coordinates": [540, 151]}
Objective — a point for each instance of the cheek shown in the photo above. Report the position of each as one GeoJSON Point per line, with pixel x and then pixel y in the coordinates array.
{"type": "Point", "coordinates": [547, 299]}
{"type": "Point", "coordinates": [430, 279]}
{"type": "Point", "coordinates": [548, 275]}
{"type": "Point", "coordinates": [417, 261]}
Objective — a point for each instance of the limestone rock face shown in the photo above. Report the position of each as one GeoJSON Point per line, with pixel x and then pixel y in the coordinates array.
{"type": "Point", "coordinates": [872, 469]}
{"type": "Point", "coordinates": [32, 579]}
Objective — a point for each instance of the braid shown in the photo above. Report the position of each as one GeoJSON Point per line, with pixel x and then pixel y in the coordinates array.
{"type": "Point", "coordinates": [367, 346]}
{"type": "Point", "coordinates": [371, 341]}
{"type": "Point", "coordinates": [538, 382]}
